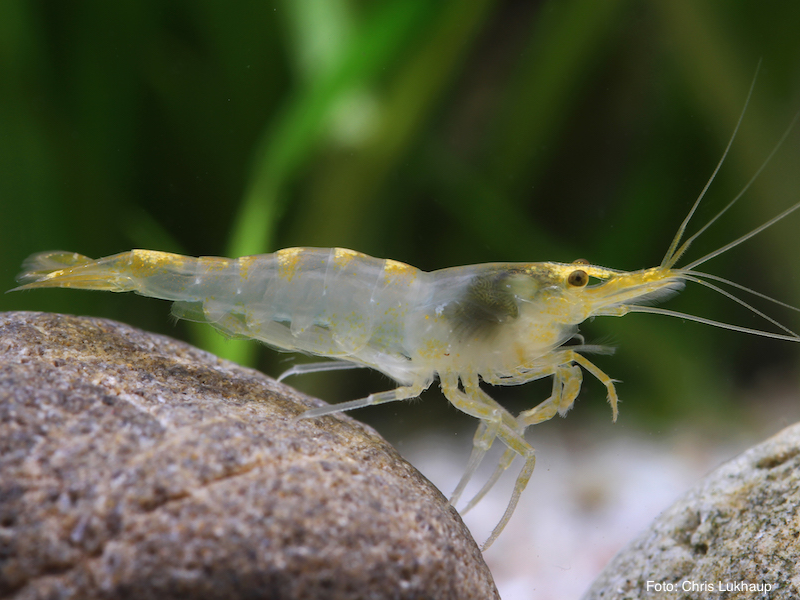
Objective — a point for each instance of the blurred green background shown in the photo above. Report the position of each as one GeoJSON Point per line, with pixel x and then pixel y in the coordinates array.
{"type": "Point", "coordinates": [435, 133]}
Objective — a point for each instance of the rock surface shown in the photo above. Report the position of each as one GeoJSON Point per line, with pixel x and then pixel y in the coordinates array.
{"type": "Point", "coordinates": [730, 537]}
{"type": "Point", "coordinates": [136, 466]}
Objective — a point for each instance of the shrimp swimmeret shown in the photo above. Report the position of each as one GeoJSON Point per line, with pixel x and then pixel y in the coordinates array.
{"type": "Point", "coordinates": [502, 323]}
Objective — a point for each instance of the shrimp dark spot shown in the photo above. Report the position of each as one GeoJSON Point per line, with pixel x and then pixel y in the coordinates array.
{"type": "Point", "coordinates": [581, 261]}
{"type": "Point", "coordinates": [578, 278]}
{"type": "Point", "coordinates": [487, 301]}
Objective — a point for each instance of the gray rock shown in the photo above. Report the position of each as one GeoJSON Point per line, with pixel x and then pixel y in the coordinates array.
{"type": "Point", "coordinates": [136, 466]}
{"type": "Point", "coordinates": [731, 536]}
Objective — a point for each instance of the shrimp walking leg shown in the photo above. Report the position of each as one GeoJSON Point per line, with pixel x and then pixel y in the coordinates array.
{"type": "Point", "coordinates": [402, 393]}
{"type": "Point", "coordinates": [566, 386]}
{"type": "Point", "coordinates": [481, 442]}
{"type": "Point", "coordinates": [613, 399]}
{"type": "Point", "coordinates": [505, 461]}
{"type": "Point", "coordinates": [319, 367]}
{"type": "Point", "coordinates": [567, 381]}
{"type": "Point", "coordinates": [499, 423]}
{"type": "Point", "coordinates": [491, 416]}
{"type": "Point", "coordinates": [570, 379]}
{"type": "Point", "coordinates": [484, 437]}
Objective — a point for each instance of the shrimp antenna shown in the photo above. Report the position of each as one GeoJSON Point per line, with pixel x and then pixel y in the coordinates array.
{"type": "Point", "coordinates": [746, 236]}
{"type": "Point", "coordinates": [749, 307]}
{"type": "Point", "coordinates": [655, 310]}
{"type": "Point", "coordinates": [672, 255]}
{"type": "Point", "coordinates": [695, 277]}
{"type": "Point", "coordinates": [744, 289]}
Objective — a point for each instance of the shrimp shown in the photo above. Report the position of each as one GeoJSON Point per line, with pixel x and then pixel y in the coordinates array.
{"type": "Point", "coordinates": [502, 323]}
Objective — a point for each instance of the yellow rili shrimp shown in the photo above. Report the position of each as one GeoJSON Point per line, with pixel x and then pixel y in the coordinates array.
{"type": "Point", "coordinates": [501, 323]}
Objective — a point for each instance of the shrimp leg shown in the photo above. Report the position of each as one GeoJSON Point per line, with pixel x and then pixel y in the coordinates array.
{"type": "Point", "coordinates": [566, 386]}
{"type": "Point", "coordinates": [477, 403]}
{"type": "Point", "coordinates": [568, 356]}
{"type": "Point", "coordinates": [319, 367]}
{"type": "Point", "coordinates": [402, 393]}
{"type": "Point", "coordinates": [481, 442]}
{"type": "Point", "coordinates": [567, 382]}
{"type": "Point", "coordinates": [568, 378]}
{"type": "Point", "coordinates": [491, 416]}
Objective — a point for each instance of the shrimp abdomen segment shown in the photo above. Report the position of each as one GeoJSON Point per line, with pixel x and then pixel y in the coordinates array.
{"type": "Point", "coordinates": [328, 302]}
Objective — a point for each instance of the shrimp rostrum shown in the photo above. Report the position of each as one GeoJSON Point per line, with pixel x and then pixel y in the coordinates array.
{"type": "Point", "coordinates": [501, 323]}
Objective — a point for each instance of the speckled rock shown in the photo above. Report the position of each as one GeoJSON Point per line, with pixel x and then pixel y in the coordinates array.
{"type": "Point", "coordinates": [136, 466]}
{"type": "Point", "coordinates": [736, 535]}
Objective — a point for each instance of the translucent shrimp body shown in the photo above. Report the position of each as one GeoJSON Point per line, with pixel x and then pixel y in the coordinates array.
{"type": "Point", "coordinates": [502, 323]}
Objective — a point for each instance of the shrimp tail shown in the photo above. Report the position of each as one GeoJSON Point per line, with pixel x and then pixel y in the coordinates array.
{"type": "Point", "coordinates": [118, 273]}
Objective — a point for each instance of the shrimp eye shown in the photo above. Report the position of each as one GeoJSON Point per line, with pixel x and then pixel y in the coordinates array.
{"type": "Point", "coordinates": [578, 278]}
{"type": "Point", "coordinates": [580, 261]}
